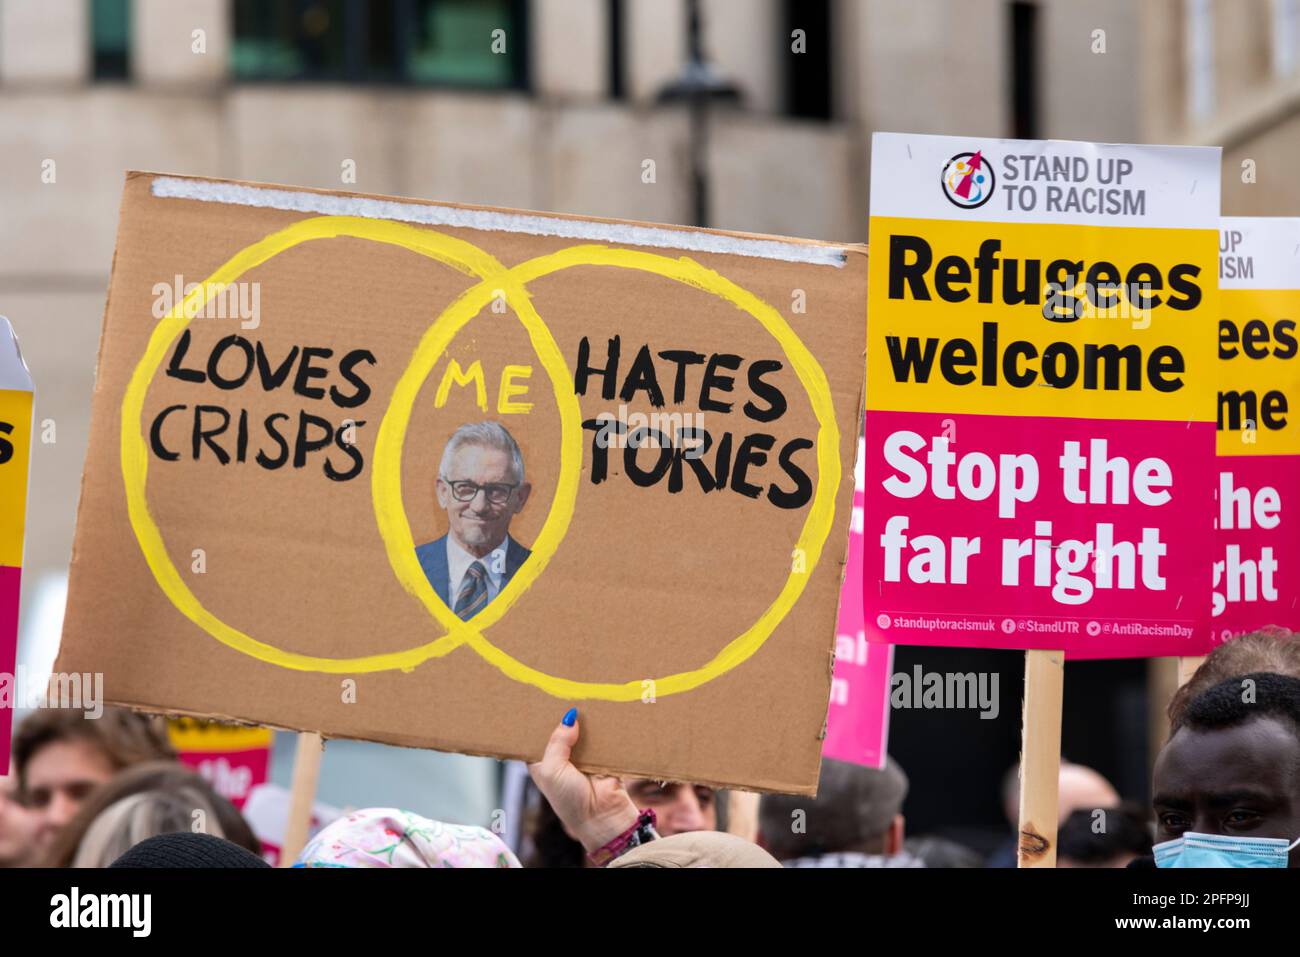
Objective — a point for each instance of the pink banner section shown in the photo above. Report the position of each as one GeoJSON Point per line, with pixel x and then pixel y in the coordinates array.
{"type": "Point", "coordinates": [1257, 545]}
{"type": "Point", "coordinates": [1088, 535]}
{"type": "Point", "coordinates": [10, 581]}
{"type": "Point", "coordinates": [232, 774]}
{"type": "Point", "coordinates": [857, 722]}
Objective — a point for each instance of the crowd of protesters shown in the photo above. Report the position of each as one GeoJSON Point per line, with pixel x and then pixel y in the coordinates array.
{"type": "Point", "coordinates": [1226, 792]}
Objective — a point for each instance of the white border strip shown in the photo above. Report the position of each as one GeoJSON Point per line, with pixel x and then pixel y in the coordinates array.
{"type": "Point", "coordinates": [623, 234]}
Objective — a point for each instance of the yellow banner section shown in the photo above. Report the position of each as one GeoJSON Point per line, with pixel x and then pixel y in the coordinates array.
{"type": "Point", "coordinates": [958, 320]}
{"type": "Point", "coordinates": [186, 734]}
{"type": "Point", "coordinates": [1259, 372]}
{"type": "Point", "coordinates": [15, 455]}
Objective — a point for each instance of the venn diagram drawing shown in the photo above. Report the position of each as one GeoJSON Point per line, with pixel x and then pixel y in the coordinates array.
{"type": "Point", "coordinates": [493, 279]}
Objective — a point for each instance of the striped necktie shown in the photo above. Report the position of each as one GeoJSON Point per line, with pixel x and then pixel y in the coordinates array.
{"type": "Point", "coordinates": [473, 593]}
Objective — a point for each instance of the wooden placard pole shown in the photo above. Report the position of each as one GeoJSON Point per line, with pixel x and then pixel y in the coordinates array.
{"type": "Point", "coordinates": [742, 814]}
{"type": "Point", "coordinates": [1162, 681]}
{"type": "Point", "coordinates": [1040, 757]}
{"type": "Point", "coordinates": [306, 772]}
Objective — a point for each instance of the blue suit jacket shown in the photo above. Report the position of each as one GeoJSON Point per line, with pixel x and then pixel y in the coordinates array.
{"type": "Point", "coordinates": [433, 559]}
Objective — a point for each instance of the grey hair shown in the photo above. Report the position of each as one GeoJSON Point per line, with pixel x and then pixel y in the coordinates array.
{"type": "Point", "coordinates": [492, 435]}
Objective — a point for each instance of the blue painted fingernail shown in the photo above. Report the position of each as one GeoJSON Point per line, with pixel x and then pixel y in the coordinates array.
{"type": "Point", "coordinates": [570, 718]}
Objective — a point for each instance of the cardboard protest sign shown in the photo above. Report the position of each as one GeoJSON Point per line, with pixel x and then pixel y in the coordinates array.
{"type": "Point", "coordinates": [1040, 391]}
{"type": "Point", "coordinates": [429, 475]}
{"type": "Point", "coordinates": [233, 759]}
{"type": "Point", "coordinates": [1257, 554]}
{"type": "Point", "coordinates": [15, 454]}
{"type": "Point", "coordinates": [857, 722]}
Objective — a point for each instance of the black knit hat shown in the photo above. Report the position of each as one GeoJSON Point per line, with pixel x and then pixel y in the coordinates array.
{"type": "Point", "coordinates": [188, 850]}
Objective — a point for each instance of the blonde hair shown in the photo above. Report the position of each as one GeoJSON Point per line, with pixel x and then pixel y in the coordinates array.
{"type": "Point", "coordinates": [126, 822]}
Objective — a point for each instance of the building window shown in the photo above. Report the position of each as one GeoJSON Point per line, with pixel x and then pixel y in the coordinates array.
{"type": "Point", "coordinates": [1286, 21]}
{"type": "Point", "coordinates": [469, 43]}
{"type": "Point", "coordinates": [1199, 58]}
{"type": "Point", "coordinates": [110, 33]}
{"type": "Point", "coordinates": [1024, 71]}
{"type": "Point", "coordinates": [617, 56]}
{"type": "Point", "coordinates": [807, 55]}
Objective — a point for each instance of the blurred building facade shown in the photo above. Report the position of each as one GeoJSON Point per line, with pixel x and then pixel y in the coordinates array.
{"type": "Point", "coordinates": [552, 104]}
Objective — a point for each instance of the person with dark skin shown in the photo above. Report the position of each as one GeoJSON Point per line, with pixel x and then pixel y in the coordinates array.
{"type": "Point", "coordinates": [1229, 777]}
{"type": "Point", "coordinates": [1271, 649]}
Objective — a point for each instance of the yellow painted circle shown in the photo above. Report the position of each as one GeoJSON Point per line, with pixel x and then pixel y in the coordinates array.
{"type": "Point", "coordinates": [386, 470]}
{"type": "Point", "coordinates": [396, 530]}
{"type": "Point", "coordinates": [460, 255]}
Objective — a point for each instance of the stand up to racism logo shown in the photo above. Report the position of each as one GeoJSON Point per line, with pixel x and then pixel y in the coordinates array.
{"type": "Point", "coordinates": [968, 180]}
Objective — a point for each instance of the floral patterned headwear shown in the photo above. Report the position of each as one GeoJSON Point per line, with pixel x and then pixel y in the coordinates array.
{"type": "Point", "coordinates": [387, 837]}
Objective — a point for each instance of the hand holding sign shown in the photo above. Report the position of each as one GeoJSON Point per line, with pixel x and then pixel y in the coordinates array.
{"type": "Point", "coordinates": [595, 809]}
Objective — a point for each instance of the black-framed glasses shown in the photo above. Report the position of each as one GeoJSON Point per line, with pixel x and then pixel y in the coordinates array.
{"type": "Point", "coordinates": [463, 490]}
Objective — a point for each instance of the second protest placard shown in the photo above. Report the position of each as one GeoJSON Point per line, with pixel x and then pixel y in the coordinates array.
{"type": "Point", "coordinates": [1040, 395]}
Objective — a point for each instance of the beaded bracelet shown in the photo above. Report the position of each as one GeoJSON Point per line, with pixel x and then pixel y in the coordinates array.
{"type": "Point", "coordinates": [641, 832]}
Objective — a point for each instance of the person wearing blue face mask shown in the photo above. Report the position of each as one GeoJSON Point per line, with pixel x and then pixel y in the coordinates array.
{"type": "Point", "coordinates": [1227, 783]}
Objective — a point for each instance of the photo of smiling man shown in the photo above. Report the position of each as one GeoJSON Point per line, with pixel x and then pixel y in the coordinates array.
{"type": "Point", "coordinates": [481, 485]}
